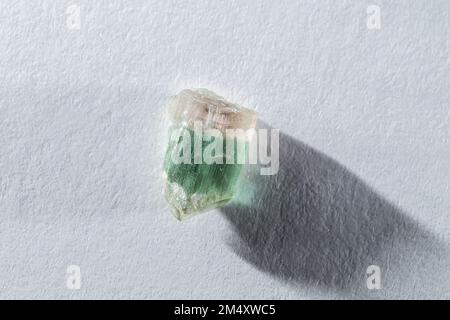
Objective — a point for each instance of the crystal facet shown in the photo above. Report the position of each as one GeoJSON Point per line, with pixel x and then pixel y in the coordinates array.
{"type": "Point", "coordinates": [205, 125]}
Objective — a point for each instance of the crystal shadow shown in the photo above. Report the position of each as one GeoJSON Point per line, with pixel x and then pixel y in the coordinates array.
{"type": "Point", "coordinates": [315, 222]}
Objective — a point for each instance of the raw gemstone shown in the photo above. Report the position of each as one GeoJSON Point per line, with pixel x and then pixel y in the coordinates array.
{"type": "Point", "coordinates": [204, 157]}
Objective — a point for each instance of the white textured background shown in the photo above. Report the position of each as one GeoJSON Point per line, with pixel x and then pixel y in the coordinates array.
{"type": "Point", "coordinates": [82, 136]}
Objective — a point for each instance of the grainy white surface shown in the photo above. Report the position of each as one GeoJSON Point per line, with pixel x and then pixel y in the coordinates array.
{"type": "Point", "coordinates": [82, 136]}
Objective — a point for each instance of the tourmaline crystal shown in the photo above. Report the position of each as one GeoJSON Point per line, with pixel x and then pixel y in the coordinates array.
{"type": "Point", "coordinates": [197, 185]}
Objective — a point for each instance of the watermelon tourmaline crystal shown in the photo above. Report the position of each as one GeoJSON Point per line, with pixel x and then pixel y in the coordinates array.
{"type": "Point", "coordinates": [208, 146]}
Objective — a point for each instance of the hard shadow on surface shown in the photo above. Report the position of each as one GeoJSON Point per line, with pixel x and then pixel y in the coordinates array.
{"type": "Point", "coordinates": [317, 223]}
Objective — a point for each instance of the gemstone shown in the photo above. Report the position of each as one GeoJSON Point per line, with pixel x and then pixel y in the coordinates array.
{"type": "Point", "coordinates": [208, 145]}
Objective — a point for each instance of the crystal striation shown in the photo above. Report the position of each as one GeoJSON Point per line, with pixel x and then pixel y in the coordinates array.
{"type": "Point", "coordinates": [208, 136]}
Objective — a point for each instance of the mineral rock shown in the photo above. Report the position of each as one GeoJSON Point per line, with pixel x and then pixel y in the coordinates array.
{"type": "Point", "coordinates": [208, 145]}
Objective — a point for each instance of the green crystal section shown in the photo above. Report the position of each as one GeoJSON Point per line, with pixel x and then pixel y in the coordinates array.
{"type": "Point", "coordinates": [194, 186]}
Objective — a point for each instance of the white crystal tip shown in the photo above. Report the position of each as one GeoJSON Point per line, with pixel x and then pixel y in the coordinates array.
{"type": "Point", "coordinates": [212, 110]}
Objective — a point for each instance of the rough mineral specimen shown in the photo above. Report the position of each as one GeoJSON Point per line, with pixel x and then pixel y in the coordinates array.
{"type": "Point", "coordinates": [208, 146]}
